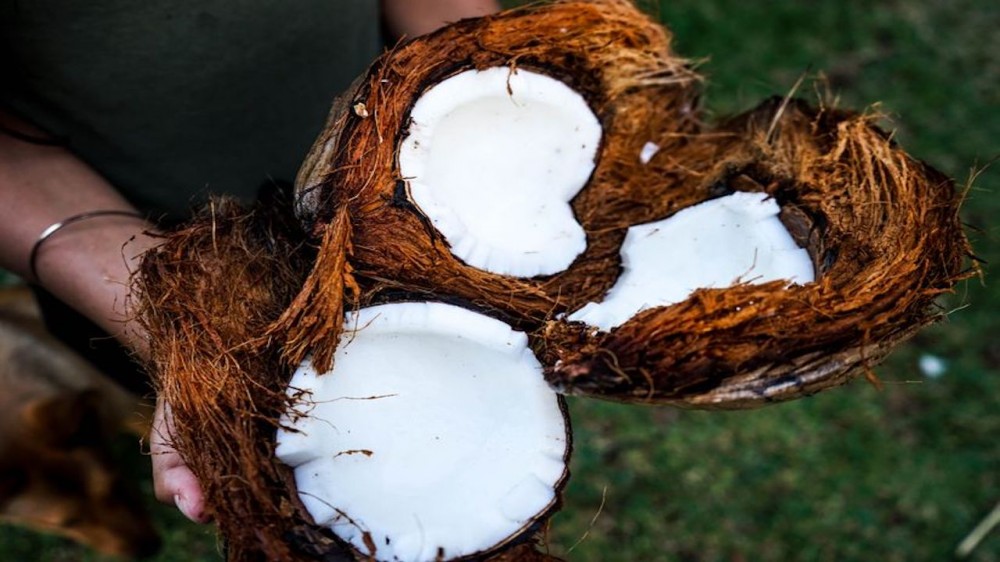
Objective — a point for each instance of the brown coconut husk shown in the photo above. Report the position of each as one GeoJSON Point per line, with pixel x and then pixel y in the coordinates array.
{"type": "Point", "coordinates": [615, 56]}
{"type": "Point", "coordinates": [209, 295]}
{"type": "Point", "coordinates": [885, 237]}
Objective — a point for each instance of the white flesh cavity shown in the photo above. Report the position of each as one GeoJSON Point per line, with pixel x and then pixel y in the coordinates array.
{"type": "Point", "coordinates": [716, 244]}
{"type": "Point", "coordinates": [435, 430]}
{"type": "Point", "coordinates": [493, 158]}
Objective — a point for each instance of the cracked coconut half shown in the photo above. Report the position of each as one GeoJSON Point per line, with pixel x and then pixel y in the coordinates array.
{"type": "Point", "coordinates": [434, 437]}
{"type": "Point", "coordinates": [704, 314]}
{"type": "Point", "coordinates": [495, 161]}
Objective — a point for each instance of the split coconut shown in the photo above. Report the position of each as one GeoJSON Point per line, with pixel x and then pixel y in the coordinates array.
{"type": "Point", "coordinates": [493, 159]}
{"type": "Point", "coordinates": [720, 243]}
{"type": "Point", "coordinates": [235, 302]}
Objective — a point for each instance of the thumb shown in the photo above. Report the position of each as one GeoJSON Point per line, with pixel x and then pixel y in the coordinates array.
{"type": "Point", "coordinates": [173, 481]}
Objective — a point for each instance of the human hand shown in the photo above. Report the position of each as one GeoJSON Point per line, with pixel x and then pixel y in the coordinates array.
{"type": "Point", "coordinates": [87, 266]}
{"type": "Point", "coordinates": [173, 482]}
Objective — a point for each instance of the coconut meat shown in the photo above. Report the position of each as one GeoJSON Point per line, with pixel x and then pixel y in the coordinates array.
{"type": "Point", "coordinates": [719, 243]}
{"type": "Point", "coordinates": [434, 437]}
{"type": "Point", "coordinates": [648, 151]}
{"type": "Point", "coordinates": [493, 158]}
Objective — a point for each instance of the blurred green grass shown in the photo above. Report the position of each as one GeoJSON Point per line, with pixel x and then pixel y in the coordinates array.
{"type": "Point", "coordinates": [854, 474]}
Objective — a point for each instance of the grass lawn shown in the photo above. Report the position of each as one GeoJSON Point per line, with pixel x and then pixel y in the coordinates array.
{"type": "Point", "coordinates": [854, 474]}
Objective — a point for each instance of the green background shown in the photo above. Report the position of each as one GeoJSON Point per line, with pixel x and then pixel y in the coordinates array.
{"type": "Point", "coordinates": [854, 474]}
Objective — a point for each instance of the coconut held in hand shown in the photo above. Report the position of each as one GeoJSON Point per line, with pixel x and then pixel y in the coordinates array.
{"type": "Point", "coordinates": [511, 208]}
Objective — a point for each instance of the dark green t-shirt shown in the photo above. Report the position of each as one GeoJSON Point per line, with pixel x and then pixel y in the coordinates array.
{"type": "Point", "coordinates": [174, 99]}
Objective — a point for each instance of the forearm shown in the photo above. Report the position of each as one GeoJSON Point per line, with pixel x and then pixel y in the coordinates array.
{"type": "Point", "coordinates": [87, 264]}
{"type": "Point", "coordinates": [410, 18]}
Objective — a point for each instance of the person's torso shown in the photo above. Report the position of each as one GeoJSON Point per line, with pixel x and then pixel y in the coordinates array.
{"type": "Point", "coordinates": [171, 100]}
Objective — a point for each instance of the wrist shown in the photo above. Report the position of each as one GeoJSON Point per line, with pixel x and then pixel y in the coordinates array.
{"type": "Point", "coordinates": [66, 223]}
{"type": "Point", "coordinates": [88, 263]}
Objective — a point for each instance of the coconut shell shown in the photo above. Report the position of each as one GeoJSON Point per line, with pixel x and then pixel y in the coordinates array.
{"type": "Point", "coordinates": [885, 238]}
{"type": "Point", "coordinates": [608, 51]}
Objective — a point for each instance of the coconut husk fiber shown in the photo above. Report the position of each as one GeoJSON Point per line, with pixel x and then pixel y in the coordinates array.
{"type": "Point", "coordinates": [885, 237]}
{"type": "Point", "coordinates": [208, 296]}
{"type": "Point", "coordinates": [235, 299]}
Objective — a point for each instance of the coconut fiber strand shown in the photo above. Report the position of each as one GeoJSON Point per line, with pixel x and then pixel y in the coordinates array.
{"type": "Point", "coordinates": [236, 298]}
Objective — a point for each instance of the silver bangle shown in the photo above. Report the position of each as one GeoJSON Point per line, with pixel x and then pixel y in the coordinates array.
{"type": "Point", "coordinates": [56, 226]}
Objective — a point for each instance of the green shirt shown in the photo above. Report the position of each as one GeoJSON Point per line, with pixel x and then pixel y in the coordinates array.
{"type": "Point", "coordinates": [173, 99]}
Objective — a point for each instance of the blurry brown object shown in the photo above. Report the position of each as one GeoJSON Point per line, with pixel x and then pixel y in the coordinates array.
{"type": "Point", "coordinates": [58, 418]}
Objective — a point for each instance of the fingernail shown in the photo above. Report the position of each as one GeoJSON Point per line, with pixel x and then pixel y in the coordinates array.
{"type": "Point", "coordinates": [185, 508]}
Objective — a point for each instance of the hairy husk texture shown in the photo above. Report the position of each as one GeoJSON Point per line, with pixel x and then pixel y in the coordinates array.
{"type": "Point", "coordinates": [209, 296]}
{"type": "Point", "coordinates": [235, 299]}
{"type": "Point", "coordinates": [886, 241]}
{"type": "Point", "coordinates": [609, 52]}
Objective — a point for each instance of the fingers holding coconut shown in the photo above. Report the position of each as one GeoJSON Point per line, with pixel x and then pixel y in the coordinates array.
{"type": "Point", "coordinates": [173, 481]}
{"type": "Point", "coordinates": [211, 293]}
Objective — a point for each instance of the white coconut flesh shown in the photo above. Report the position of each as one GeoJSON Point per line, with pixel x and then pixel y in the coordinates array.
{"type": "Point", "coordinates": [716, 244]}
{"type": "Point", "coordinates": [493, 159]}
{"type": "Point", "coordinates": [434, 437]}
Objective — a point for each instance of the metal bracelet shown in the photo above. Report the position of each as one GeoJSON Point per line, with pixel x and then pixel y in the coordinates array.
{"type": "Point", "coordinates": [56, 226]}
